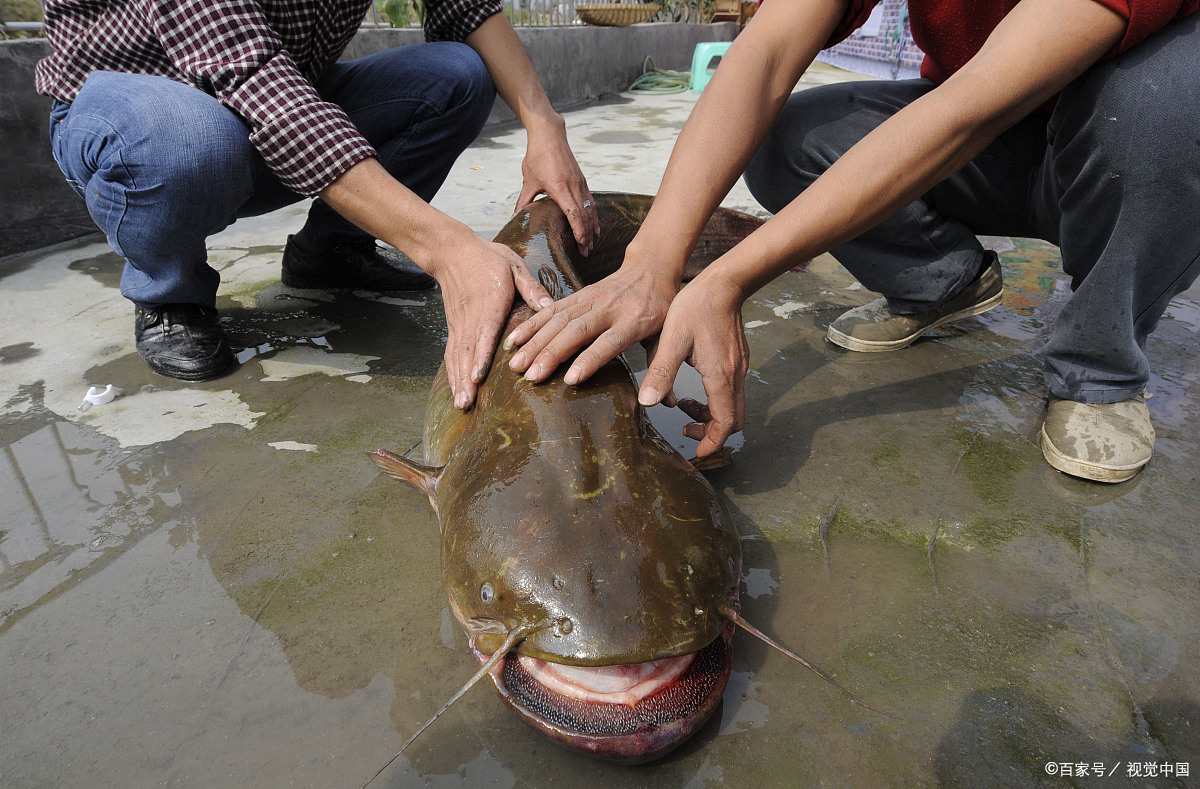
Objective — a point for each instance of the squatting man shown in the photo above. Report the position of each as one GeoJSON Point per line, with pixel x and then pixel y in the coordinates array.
{"type": "Point", "coordinates": [173, 119]}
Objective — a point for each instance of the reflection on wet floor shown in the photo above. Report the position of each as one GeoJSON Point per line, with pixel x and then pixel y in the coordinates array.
{"type": "Point", "coordinates": [48, 477]}
{"type": "Point", "coordinates": [211, 585]}
{"type": "Point", "coordinates": [267, 348]}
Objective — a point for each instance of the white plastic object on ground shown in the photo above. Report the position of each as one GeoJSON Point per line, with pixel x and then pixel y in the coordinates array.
{"type": "Point", "coordinates": [95, 396]}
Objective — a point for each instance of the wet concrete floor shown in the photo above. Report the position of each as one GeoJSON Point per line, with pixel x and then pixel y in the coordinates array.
{"type": "Point", "coordinates": [210, 585]}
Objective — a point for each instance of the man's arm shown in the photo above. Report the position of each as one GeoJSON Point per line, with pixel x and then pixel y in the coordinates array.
{"type": "Point", "coordinates": [1035, 51]}
{"type": "Point", "coordinates": [231, 50]}
{"type": "Point", "coordinates": [1040, 47]}
{"type": "Point", "coordinates": [477, 277]}
{"type": "Point", "coordinates": [549, 166]}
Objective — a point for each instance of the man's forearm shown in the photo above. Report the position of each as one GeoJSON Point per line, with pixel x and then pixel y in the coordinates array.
{"type": "Point", "coordinates": [514, 76]}
{"type": "Point", "coordinates": [730, 120]}
{"type": "Point", "coordinates": [372, 199]}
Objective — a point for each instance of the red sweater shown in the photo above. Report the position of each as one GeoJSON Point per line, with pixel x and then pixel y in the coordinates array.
{"type": "Point", "coordinates": [950, 32]}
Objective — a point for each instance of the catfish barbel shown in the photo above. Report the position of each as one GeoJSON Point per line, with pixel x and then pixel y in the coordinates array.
{"type": "Point", "coordinates": [593, 568]}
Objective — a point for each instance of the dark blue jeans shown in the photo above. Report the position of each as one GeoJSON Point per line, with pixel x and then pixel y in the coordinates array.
{"type": "Point", "coordinates": [163, 165]}
{"type": "Point", "coordinates": [1112, 177]}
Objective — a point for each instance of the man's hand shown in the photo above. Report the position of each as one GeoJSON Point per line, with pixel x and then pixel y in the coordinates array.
{"type": "Point", "coordinates": [625, 307]}
{"type": "Point", "coordinates": [704, 328]}
{"type": "Point", "coordinates": [478, 279]}
{"type": "Point", "coordinates": [550, 168]}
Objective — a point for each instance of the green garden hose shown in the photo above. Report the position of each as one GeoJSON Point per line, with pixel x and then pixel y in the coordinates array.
{"type": "Point", "coordinates": [657, 80]}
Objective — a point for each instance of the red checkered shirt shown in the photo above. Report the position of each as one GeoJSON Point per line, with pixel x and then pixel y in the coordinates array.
{"type": "Point", "coordinates": [259, 59]}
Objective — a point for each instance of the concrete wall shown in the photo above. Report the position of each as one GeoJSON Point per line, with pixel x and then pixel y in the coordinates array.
{"type": "Point", "coordinates": [37, 208]}
{"type": "Point", "coordinates": [580, 64]}
{"type": "Point", "coordinates": [576, 64]}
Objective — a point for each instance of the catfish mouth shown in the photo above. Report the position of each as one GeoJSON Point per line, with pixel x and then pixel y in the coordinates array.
{"type": "Point", "coordinates": [629, 713]}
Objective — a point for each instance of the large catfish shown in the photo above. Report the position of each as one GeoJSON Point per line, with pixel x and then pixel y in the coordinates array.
{"type": "Point", "coordinates": [594, 569]}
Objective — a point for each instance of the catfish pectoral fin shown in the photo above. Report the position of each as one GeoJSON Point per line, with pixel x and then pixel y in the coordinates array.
{"type": "Point", "coordinates": [421, 477]}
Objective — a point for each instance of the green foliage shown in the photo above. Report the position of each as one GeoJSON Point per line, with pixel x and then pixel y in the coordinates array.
{"type": "Point", "coordinates": [402, 13]}
{"type": "Point", "coordinates": [20, 11]}
{"type": "Point", "coordinates": [518, 17]}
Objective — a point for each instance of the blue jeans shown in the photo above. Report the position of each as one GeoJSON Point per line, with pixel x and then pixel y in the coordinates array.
{"type": "Point", "coordinates": [1112, 177]}
{"type": "Point", "coordinates": [163, 165]}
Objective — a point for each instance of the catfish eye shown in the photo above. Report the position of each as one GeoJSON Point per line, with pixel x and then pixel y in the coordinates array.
{"type": "Point", "coordinates": [486, 594]}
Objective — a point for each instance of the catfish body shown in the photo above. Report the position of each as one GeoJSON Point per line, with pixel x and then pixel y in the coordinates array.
{"type": "Point", "coordinates": [565, 515]}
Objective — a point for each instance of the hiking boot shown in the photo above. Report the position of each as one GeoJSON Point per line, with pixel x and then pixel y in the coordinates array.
{"type": "Point", "coordinates": [182, 341]}
{"type": "Point", "coordinates": [873, 327]}
{"type": "Point", "coordinates": [1105, 442]}
{"type": "Point", "coordinates": [364, 266]}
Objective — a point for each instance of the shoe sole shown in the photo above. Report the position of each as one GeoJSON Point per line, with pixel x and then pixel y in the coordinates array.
{"type": "Point", "coordinates": [1079, 468]}
{"type": "Point", "coordinates": [193, 377]}
{"type": "Point", "coordinates": [879, 346]}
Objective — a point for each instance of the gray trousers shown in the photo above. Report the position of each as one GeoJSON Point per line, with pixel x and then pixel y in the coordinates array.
{"type": "Point", "coordinates": [1112, 177]}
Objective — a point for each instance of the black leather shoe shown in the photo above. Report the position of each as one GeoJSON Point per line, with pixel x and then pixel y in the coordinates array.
{"type": "Point", "coordinates": [182, 341]}
{"type": "Point", "coordinates": [350, 267]}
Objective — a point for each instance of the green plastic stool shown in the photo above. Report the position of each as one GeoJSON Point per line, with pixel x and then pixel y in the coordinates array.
{"type": "Point", "coordinates": [706, 52]}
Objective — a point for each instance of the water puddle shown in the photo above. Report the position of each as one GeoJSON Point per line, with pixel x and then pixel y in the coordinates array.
{"type": "Point", "coordinates": [48, 476]}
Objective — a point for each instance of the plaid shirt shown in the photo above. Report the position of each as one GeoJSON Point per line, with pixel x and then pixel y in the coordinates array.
{"type": "Point", "coordinates": [257, 57]}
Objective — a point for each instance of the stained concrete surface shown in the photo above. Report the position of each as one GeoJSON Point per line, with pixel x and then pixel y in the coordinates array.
{"type": "Point", "coordinates": [210, 585]}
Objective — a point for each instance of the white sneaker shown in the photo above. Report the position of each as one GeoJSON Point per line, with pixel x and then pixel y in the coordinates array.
{"type": "Point", "coordinates": [1105, 443]}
